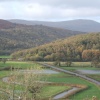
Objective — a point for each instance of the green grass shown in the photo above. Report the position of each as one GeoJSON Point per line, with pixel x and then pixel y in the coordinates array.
{"type": "Point", "coordinates": [91, 91]}
{"type": "Point", "coordinates": [60, 78]}
{"type": "Point", "coordinates": [49, 91]}
{"type": "Point", "coordinates": [60, 75]}
{"type": "Point", "coordinates": [22, 65]}
{"type": "Point", "coordinates": [77, 65]}
{"type": "Point", "coordinates": [94, 76]}
{"type": "Point", "coordinates": [4, 74]}
{"type": "Point", "coordinates": [79, 68]}
{"type": "Point", "coordinates": [5, 56]}
{"type": "Point", "coordinates": [83, 66]}
{"type": "Point", "coordinates": [16, 64]}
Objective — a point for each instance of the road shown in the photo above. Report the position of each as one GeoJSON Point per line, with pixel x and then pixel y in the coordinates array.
{"type": "Point", "coordinates": [66, 93]}
{"type": "Point", "coordinates": [72, 73]}
{"type": "Point", "coordinates": [59, 96]}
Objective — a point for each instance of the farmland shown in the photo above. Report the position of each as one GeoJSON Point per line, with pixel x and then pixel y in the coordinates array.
{"type": "Point", "coordinates": [55, 78]}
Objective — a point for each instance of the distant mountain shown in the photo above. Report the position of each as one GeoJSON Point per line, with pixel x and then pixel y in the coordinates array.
{"type": "Point", "coordinates": [65, 49]}
{"type": "Point", "coordinates": [15, 37]}
{"type": "Point", "coordinates": [6, 24]}
{"type": "Point", "coordinates": [75, 25]}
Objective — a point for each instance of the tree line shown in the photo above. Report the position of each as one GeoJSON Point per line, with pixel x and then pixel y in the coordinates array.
{"type": "Point", "coordinates": [76, 48]}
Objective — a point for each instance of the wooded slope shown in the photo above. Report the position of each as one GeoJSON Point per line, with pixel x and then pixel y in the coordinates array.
{"type": "Point", "coordinates": [15, 37]}
{"type": "Point", "coordinates": [66, 49]}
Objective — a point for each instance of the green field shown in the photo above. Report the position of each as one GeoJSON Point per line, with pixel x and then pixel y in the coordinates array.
{"type": "Point", "coordinates": [5, 56]}
{"type": "Point", "coordinates": [16, 64]}
{"type": "Point", "coordinates": [94, 76]}
{"type": "Point", "coordinates": [91, 91]}
{"type": "Point", "coordinates": [49, 91]}
{"type": "Point", "coordinates": [83, 66]}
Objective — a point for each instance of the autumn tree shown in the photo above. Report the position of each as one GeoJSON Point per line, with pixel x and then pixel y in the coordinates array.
{"type": "Point", "coordinates": [93, 56]}
{"type": "Point", "coordinates": [68, 50]}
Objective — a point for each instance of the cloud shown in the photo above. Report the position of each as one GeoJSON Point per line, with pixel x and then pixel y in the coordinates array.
{"type": "Point", "coordinates": [61, 3]}
{"type": "Point", "coordinates": [49, 9]}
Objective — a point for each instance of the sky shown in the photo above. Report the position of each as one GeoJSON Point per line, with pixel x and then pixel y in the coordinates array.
{"type": "Point", "coordinates": [50, 10]}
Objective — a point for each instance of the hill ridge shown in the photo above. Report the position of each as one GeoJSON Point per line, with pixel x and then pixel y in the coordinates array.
{"type": "Point", "coordinates": [71, 47]}
{"type": "Point", "coordinates": [19, 36]}
{"type": "Point", "coordinates": [82, 25]}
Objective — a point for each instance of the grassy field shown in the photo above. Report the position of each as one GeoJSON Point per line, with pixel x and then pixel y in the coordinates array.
{"type": "Point", "coordinates": [83, 66]}
{"type": "Point", "coordinates": [79, 64]}
{"type": "Point", "coordinates": [5, 56]}
{"type": "Point", "coordinates": [79, 68]}
{"type": "Point", "coordinates": [91, 91]}
{"type": "Point", "coordinates": [16, 64]}
{"type": "Point", "coordinates": [75, 65]}
{"type": "Point", "coordinates": [4, 73]}
{"type": "Point", "coordinates": [94, 76]}
{"type": "Point", "coordinates": [48, 91]}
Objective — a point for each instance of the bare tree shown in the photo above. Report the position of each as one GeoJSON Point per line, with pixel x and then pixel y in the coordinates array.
{"type": "Point", "coordinates": [4, 60]}
{"type": "Point", "coordinates": [25, 84]}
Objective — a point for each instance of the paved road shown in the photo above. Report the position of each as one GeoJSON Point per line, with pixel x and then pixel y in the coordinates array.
{"type": "Point", "coordinates": [66, 93]}
{"type": "Point", "coordinates": [72, 73]}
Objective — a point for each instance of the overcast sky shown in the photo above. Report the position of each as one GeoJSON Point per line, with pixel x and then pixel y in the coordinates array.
{"type": "Point", "coordinates": [50, 10]}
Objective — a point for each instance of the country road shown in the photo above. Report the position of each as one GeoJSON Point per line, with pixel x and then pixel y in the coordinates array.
{"type": "Point", "coordinates": [72, 73]}
{"type": "Point", "coordinates": [65, 93]}
{"type": "Point", "coordinates": [56, 97]}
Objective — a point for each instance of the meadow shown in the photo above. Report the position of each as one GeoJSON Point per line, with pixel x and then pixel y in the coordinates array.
{"type": "Point", "coordinates": [92, 88]}
{"type": "Point", "coordinates": [83, 66]}
{"type": "Point", "coordinates": [5, 56]}
{"type": "Point", "coordinates": [47, 91]}
{"type": "Point", "coordinates": [50, 90]}
{"type": "Point", "coordinates": [80, 66]}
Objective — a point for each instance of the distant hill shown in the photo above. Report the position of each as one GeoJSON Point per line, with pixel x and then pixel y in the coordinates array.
{"type": "Point", "coordinates": [65, 49]}
{"type": "Point", "coordinates": [6, 24]}
{"type": "Point", "coordinates": [15, 37]}
{"type": "Point", "coordinates": [75, 25]}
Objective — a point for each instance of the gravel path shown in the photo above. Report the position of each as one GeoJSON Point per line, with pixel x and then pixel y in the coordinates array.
{"type": "Point", "coordinates": [72, 73]}
{"type": "Point", "coordinates": [66, 93]}
{"type": "Point", "coordinates": [89, 71]}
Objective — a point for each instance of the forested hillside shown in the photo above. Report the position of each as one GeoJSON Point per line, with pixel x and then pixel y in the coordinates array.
{"type": "Point", "coordinates": [6, 24]}
{"type": "Point", "coordinates": [15, 37]}
{"type": "Point", "coordinates": [76, 48]}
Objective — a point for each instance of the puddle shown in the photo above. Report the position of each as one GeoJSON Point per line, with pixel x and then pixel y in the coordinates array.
{"type": "Point", "coordinates": [46, 71]}
{"type": "Point", "coordinates": [89, 71]}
